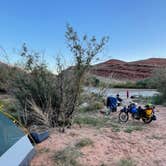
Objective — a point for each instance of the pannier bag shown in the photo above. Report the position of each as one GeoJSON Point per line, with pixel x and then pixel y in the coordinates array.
{"type": "Point", "coordinates": [148, 113]}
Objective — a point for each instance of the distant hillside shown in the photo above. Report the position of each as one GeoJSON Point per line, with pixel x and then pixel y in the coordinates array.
{"type": "Point", "coordinates": [121, 70]}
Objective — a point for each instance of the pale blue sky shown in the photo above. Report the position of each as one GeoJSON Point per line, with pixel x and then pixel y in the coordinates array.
{"type": "Point", "coordinates": [137, 28]}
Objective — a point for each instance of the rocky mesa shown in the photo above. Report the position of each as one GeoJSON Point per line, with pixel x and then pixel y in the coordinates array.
{"type": "Point", "coordinates": [122, 70]}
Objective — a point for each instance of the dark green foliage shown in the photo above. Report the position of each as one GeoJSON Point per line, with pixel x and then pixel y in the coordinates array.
{"type": "Point", "coordinates": [146, 84]}
{"type": "Point", "coordinates": [158, 99]}
{"type": "Point", "coordinates": [160, 81]}
{"type": "Point", "coordinates": [141, 84]}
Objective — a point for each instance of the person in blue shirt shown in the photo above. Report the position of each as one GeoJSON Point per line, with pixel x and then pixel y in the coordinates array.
{"type": "Point", "coordinates": [112, 104]}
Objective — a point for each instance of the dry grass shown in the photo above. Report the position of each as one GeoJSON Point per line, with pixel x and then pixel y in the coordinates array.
{"type": "Point", "coordinates": [84, 142]}
{"type": "Point", "coordinates": [67, 157]}
{"type": "Point", "coordinates": [126, 162]}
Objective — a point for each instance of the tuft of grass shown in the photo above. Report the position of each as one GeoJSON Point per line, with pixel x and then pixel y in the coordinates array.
{"type": "Point", "coordinates": [115, 127]}
{"type": "Point", "coordinates": [91, 121]}
{"type": "Point", "coordinates": [86, 120]}
{"type": "Point", "coordinates": [92, 107]}
{"type": "Point", "coordinates": [126, 162]}
{"type": "Point", "coordinates": [130, 129]}
{"type": "Point", "coordinates": [156, 137]}
{"type": "Point", "coordinates": [103, 164]}
{"type": "Point", "coordinates": [44, 150]}
{"type": "Point", "coordinates": [84, 142]}
{"type": "Point", "coordinates": [67, 157]}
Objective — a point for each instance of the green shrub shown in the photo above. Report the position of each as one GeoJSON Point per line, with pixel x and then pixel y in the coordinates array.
{"type": "Point", "coordinates": [160, 81]}
{"type": "Point", "coordinates": [158, 99]}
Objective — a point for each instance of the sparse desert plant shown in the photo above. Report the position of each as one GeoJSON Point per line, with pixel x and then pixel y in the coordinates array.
{"type": "Point", "coordinates": [43, 150]}
{"type": "Point", "coordinates": [67, 157]}
{"type": "Point", "coordinates": [90, 121]}
{"type": "Point", "coordinates": [157, 137]}
{"type": "Point", "coordinates": [115, 126]}
{"type": "Point", "coordinates": [130, 129]}
{"type": "Point", "coordinates": [84, 142]}
{"type": "Point", "coordinates": [92, 107]}
{"type": "Point", "coordinates": [126, 162]}
{"type": "Point", "coordinates": [87, 120]}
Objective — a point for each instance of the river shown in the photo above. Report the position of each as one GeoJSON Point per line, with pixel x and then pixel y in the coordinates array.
{"type": "Point", "coordinates": [122, 92]}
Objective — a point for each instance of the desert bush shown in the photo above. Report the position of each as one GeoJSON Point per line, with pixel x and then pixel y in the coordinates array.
{"type": "Point", "coordinates": [158, 99]}
{"type": "Point", "coordinates": [48, 99]}
{"type": "Point", "coordinates": [160, 81]}
{"type": "Point", "coordinates": [35, 90]}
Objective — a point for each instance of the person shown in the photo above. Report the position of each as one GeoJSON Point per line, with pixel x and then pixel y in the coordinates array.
{"type": "Point", "coordinates": [127, 94]}
{"type": "Point", "coordinates": [111, 104]}
{"type": "Point", "coordinates": [118, 98]}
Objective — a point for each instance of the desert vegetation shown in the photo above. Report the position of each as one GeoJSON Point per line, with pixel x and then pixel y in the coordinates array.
{"type": "Point", "coordinates": [160, 81]}
{"type": "Point", "coordinates": [47, 99]}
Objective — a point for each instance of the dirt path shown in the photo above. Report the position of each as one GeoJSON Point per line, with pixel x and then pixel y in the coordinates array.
{"type": "Point", "coordinates": [144, 148]}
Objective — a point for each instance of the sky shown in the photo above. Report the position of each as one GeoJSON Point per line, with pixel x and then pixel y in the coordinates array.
{"type": "Point", "coordinates": [137, 28]}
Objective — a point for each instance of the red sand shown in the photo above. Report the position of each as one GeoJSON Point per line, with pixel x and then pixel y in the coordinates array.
{"type": "Point", "coordinates": [146, 147]}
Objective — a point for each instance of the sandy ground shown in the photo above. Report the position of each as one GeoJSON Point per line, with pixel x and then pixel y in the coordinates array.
{"type": "Point", "coordinates": [145, 148]}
